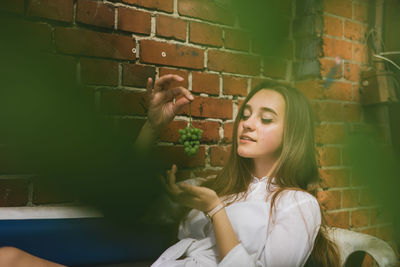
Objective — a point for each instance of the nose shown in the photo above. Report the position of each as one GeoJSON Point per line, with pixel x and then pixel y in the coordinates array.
{"type": "Point", "coordinates": [249, 124]}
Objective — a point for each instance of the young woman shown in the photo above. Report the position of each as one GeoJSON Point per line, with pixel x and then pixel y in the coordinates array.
{"type": "Point", "coordinates": [261, 209]}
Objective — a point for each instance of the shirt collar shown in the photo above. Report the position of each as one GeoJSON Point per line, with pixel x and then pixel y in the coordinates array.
{"type": "Point", "coordinates": [262, 179]}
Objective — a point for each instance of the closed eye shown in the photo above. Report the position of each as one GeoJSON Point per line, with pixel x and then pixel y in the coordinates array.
{"type": "Point", "coordinates": [245, 117]}
{"type": "Point", "coordinates": [265, 121]}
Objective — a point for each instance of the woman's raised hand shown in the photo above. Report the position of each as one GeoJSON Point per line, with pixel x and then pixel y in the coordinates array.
{"type": "Point", "coordinates": [196, 197]}
{"type": "Point", "coordinates": [162, 107]}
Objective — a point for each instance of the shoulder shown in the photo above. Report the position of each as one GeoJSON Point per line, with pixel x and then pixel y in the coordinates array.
{"type": "Point", "coordinates": [297, 206]}
{"type": "Point", "coordinates": [289, 199]}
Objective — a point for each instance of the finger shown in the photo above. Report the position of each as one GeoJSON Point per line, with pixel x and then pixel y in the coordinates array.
{"type": "Point", "coordinates": [172, 177]}
{"type": "Point", "coordinates": [190, 189]}
{"type": "Point", "coordinates": [164, 81]}
{"type": "Point", "coordinates": [149, 85]}
{"type": "Point", "coordinates": [164, 184]}
{"type": "Point", "coordinates": [179, 104]}
{"type": "Point", "coordinates": [178, 91]}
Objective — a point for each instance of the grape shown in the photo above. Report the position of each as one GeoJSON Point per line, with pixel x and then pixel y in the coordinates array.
{"type": "Point", "coordinates": [190, 138]}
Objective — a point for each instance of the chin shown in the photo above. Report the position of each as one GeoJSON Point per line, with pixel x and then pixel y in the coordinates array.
{"type": "Point", "coordinates": [243, 154]}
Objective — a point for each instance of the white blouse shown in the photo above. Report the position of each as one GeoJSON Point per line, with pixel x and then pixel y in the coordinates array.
{"type": "Point", "coordinates": [286, 239]}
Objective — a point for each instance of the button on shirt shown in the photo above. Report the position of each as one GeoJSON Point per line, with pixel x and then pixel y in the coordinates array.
{"type": "Point", "coordinates": [285, 239]}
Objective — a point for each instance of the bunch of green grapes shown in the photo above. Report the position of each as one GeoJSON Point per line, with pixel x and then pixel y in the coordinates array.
{"type": "Point", "coordinates": [190, 136]}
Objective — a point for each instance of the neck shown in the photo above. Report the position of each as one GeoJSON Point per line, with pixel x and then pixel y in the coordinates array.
{"type": "Point", "coordinates": [263, 167]}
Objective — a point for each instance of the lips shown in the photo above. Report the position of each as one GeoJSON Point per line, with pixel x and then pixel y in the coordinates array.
{"type": "Point", "coordinates": [246, 138]}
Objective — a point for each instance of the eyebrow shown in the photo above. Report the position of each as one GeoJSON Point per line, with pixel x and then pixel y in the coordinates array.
{"type": "Point", "coordinates": [263, 109]}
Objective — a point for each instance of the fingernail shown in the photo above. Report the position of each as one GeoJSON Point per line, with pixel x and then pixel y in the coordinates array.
{"type": "Point", "coordinates": [191, 97]}
{"type": "Point", "coordinates": [180, 78]}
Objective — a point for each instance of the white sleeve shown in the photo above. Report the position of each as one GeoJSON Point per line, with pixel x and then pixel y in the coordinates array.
{"type": "Point", "coordinates": [291, 236]}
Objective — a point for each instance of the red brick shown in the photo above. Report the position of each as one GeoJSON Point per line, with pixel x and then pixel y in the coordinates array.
{"type": "Point", "coordinates": [163, 5]}
{"type": "Point", "coordinates": [175, 155]}
{"type": "Point", "coordinates": [352, 112]}
{"type": "Point", "coordinates": [228, 132]}
{"type": "Point", "coordinates": [201, 33]}
{"type": "Point", "coordinates": [239, 103]}
{"type": "Point", "coordinates": [331, 178]}
{"type": "Point", "coordinates": [175, 55]}
{"type": "Point", "coordinates": [89, 43]}
{"type": "Point", "coordinates": [219, 155]}
{"type": "Point", "coordinates": [350, 198]}
{"type": "Point", "coordinates": [238, 40]}
{"type": "Point", "coordinates": [61, 10]}
{"type": "Point", "coordinates": [47, 191]}
{"type": "Point", "coordinates": [337, 48]}
{"type": "Point", "coordinates": [131, 20]}
{"type": "Point", "coordinates": [329, 134]}
{"type": "Point", "coordinates": [327, 67]}
{"type": "Point", "coordinates": [333, 26]}
{"type": "Point", "coordinates": [338, 219]}
{"type": "Point", "coordinates": [329, 200]}
{"type": "Point", "coordinates": [369, 231]}
{"type": "Point", "coordinates": [170, 27]}
{"type": "Point", "coordinates": [95, 13]}
{"type": "Point", "coordinates": [359, 53]}
{"type": "Point", "coordinates": [380, 215]}
{"type": "Point", "coordinates": [385, 233]}
{"type": "Point", "coordinates": [352, 72]}
{"type": "Point", "coordinates": [367, 198]}
{"type": "Point", "coordinates": [170, 132]}
{"type": "Point", "coordinates": [352, 30]}
{"type": "Point", "coordinates": [327, 111]}
{"type": "Point", "coordinates": [210, 130]}
{"type": "Point", "coordinates": [183, 73]}
{"type": "Point", "coordinates": [233, 62]}
{"type": "Point", "coordinates": [359, 218]}
{"type": "Point", "coordinates": [205, 83]}
{"type": "Point", "coordinates": [256, 81]}
{"type": "Point", "coordinates": [123, 102]}
{"type": "Point", "coordinates": [210, 108]}
{"type": "Point", "coordinates": [356, 93]}
{"type": "Point", "coordinates": [136, 75]}
{"type": "Point", "coordinates": [368, 261]}
{"type": "Point", "coordinates": [13, 6]}
{"type": "Point", "coordinates": [311, 89]}
{"type": "Point", "coordinates": [13, 192]}
{"type": "Point", "coordinates": [206, 10]}
{"type": "Point", "coordinates": [328, 156]}
{"type": "Point", "coordinates": [339, 91]}
{"type": "Point", "coordinates": [234, 85]}
{"type": "Point", "coordinates": [99, 72]}
{"type": "Point", "coordinates": [339, 7]}
{"type": "Point", "coordinates": [360, 11]}
{"type": "Point", "coordinates": [275, 68]}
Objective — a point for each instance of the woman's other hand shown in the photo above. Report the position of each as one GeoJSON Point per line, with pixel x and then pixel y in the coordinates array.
{"type": "Point", "coordinates": [162, 107]}
{"type": "Point", "coordinates": [196, 197]}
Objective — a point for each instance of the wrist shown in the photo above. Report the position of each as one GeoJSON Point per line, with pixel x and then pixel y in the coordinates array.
{"type": "Point", "coordinates": [217, 208]}
{"type": "Point", "coordinates": [152, 131]}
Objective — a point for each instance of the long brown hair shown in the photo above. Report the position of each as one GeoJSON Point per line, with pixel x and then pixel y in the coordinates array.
{"type": "Point", "coordinates": [295, 168]}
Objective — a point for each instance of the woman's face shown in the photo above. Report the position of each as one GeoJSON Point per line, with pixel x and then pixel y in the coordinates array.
{"type": "Point", "coordinates": [260, 130]}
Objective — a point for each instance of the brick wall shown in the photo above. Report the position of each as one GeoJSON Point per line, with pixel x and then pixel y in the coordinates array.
{"type": "Point", "coordinates": [115, 45]}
